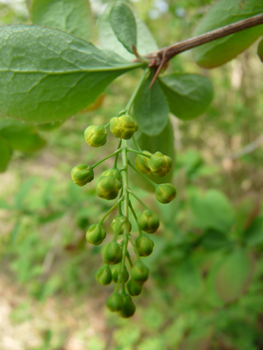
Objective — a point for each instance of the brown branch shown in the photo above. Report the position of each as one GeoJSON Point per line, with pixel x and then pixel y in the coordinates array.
{"type": "Point", "coordinates": [173, 50]}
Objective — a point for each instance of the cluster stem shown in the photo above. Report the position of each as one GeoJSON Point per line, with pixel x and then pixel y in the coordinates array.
{"type": "Point", "coordinates": [126, 204]}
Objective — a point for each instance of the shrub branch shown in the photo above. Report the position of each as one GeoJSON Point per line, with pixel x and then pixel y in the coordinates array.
{"type": "Point", "coordinates": [159, 58]}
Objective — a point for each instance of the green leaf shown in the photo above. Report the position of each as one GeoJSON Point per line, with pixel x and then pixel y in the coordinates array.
{"type": "Point", "coordinates": [234, 275]}
{"type": "Point", "coordinates": [213, 211]}
{"type": "Point", "coordinates": [22, 137]}
{"type": "Point", "coordinates": [187, 278]}
{"type": "Point", "coordinates": [247, 209]}
{"type": "Point", "coordinates": [150, 109]}
{"type": "Point", "coordinates": [198, 339]}
{"type": "Point", "coordinates": [5, 152]}
{"type": "Point", "coordinates": [72, 16]}
{"type": "Point", "coordinates": [145, 41]}
{"type": "Point", "coordinates": [222, 13]}
{"type": "Point", "coordinates": [188, 95]}
{"type": "Point", "coordinates": [163, 142]}
{"type": "Point", "coordinates": [254, 234]}
{"type": "Point", "coordinates": [48, 75]}
{"type": "Point", "coordinates": [23, 192]}
{"type": "Point", "coordinates": [5, 205]}
{"type": "Point", "coordinates": [15, 231]}
{"type": "Point", "coordinates": [213, 240]}
{"type": "Point", "coordinates": [47, 218]}
{"type": "Point", "coordinates": [260, 50]}
{"type": "Point", "coordinates": [123, 25]}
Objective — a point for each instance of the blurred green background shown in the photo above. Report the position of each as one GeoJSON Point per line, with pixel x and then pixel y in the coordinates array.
{"type": "Point", "coordinates": [205, 289]}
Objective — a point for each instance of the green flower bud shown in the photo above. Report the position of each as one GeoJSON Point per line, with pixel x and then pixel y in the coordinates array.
{"type": "Point", "coordinates": [108, 187]}
{"type": "Point", "coordinates": [148, 221]}
{"type": "Point", "coordinates": [139, 272]}
{"type": "Point", "coordinates": [96, 234]}
{"type": "Point", "coordinates": [118, 224]}
{"type": "Point", "coordinates": [117, 274]}
{"type": "Point", "coordinates": [134, 288]}
{"type": "Point", "coordinates": [160, 164]}
{"type": "Point", "coordinates": [95, 136]}
{"type": "Point", "coordinates": [141, 163]}
{"type": "Point", "coordinates": [114, 302]}
{"type": "Point", "coordinates": [111, 253]}
{"type": "Point", "coordinates": [128, 308]}
{"type": "Point", "coordinates": [144, 246]}
{"type": "Point", "coordinates": [112, 172]}
{"type": "Point", "coordinates": [165, 193]}
{"type": "Point", "coordinates": [123, 127]}
{"type": "Point", "coordinates": [82, 174]}
{"type": "Point", "coordinates": [104, 276]}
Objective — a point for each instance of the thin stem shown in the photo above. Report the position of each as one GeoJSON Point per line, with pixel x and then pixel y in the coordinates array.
{"type": "Point", "coordinates": [135, 92]}
{"type": "Point", "coordinates": [145, 177]}
{"type": "Point", "coordinates": [117, 155]}
{"type": "Point", "coordinates": [117, 286]}
{"type": "Point", "coordinates": [101, 161]}
{"type": "Point", "coordinates": [138, 199]}
{"type": "Point", "coordinates": [173, 50]}
{"type": "Point", "coordinates": [136, 143]}
{"type": "Point", "coordinates": [111, 209]}
{"type": "Point", "coordinates": [121, 113]}
{"type": "Point", "coordinates": [129, 258]}
{"type": "Point", "coordinates": [135, 217]}
{"type": "Point", "coordinates": [126, 207]}
{"type": "Point", "coordinates": [138, 152]}
{"type": "Point", "coordinates": [134, 248]}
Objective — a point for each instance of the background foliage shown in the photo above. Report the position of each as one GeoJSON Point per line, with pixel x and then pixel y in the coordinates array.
{"type": "Point", "coordinates": [205, 287]}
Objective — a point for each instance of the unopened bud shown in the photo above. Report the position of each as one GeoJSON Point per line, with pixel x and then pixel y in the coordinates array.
{"type": "Point", "coordinates": [95, 136]}
{"type": "Point", "coordinates": [82, 174]}
{"type": "Point", "coordinates": [123, 127]}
